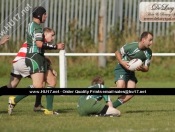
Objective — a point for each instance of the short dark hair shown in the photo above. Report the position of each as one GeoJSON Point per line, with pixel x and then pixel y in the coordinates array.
{"type": "Point", "coordinates": [97, 80]}
{"type": "Point", "coordinates": [145, 35]}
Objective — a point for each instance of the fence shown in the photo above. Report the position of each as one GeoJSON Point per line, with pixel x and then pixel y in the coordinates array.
{"type": "Point", "coordinates": [68, 17]}
{"type": "Point", "coordinates": [63, 63]}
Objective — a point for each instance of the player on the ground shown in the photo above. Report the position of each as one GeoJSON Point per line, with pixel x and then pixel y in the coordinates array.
{"type": "Point", "coordinates": [124, 78]}
{"type": "Point", "coordinates": [90, 104]}
{"type": "Point", "coordinates": [35, 59]}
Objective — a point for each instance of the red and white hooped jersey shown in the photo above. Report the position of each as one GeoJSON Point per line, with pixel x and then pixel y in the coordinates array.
{"type": "Point", "coordinates": [21, 53]}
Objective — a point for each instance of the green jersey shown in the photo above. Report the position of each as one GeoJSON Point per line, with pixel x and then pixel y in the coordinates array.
{"type": "Point", "coordinates": [34, 32]}
{"type": "Point", "coordinates": [84, 98]}
{"type": "Point", "coordinates": [132, 51]}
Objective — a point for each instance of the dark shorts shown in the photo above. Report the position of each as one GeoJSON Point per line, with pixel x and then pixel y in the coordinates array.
{"type": "Point", "coordinates": [122, 74]}
{"type": "Point", "coordinates": [36, 63]}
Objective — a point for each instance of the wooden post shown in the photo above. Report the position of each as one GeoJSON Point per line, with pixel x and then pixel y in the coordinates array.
{"type": "Point", "coordinates": [102, 34]}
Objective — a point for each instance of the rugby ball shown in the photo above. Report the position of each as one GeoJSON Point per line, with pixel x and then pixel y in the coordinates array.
{"type": "Point", "coordinates": [134, 63]}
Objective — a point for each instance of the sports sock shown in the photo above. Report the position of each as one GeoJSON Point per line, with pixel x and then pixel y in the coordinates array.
{"type": "Point", "coordinates": [49, 99]}
{"type": "Point", "coordinates": [20, 97]}
{"type": "Point", "coordinates": [4, 86]}
{"type": "Point", "coordinates": [38, 100]}
{"type": "Point", "coordinates": [117, 103]}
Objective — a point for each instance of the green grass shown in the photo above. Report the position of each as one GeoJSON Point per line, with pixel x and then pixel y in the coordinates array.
{"type": "Point", "coordinates": [83, 83]}
{"type": "Point", "coordinates": [140, 114]}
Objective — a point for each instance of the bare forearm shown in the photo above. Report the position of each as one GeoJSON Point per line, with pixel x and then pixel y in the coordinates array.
{"type": "Point", "coordinates": [118, 56]}
{"type": "Point", "coordinates": [143, 68]}
{"type": "Point", "coordinates": [4, 39]}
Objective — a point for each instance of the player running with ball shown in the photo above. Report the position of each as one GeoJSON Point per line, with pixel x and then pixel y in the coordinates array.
{"type": "Point", "coordinates": [124, 78]}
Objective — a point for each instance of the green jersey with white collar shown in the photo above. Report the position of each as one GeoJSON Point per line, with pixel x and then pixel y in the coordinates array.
{"type": "Point", "coordinates": [96, 97]}
{"type": "Point", "coordinates": [34, 33]}
{"type": "Point", "coordinates": [131, 51]}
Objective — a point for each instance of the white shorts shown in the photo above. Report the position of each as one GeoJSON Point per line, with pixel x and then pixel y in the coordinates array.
{"type": "Point", "coordinates": [20, 68]}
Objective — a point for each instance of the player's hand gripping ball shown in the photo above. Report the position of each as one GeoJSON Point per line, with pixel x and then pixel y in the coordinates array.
{"type": "Point", "coordinates": [134, 63]}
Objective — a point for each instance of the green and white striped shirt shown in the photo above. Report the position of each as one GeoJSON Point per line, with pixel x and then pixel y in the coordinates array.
{"type": "Point", "coordinates": [97, 97]}
{"type": "Point", "coordinates": [34, 32]}
{"type": "Point", "coordinates": [131, 51]}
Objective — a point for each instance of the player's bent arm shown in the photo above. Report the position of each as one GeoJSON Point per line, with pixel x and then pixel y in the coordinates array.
{"type": "Point", "coordinates": [60, 46]}
{"type": "Point", "coordinates": [145, 68]}
{"type": "Point", "coordinates": [39, 44]}
{"type": "Point", "coordinates": [49, 46]}
{"type": "Point", "coordinates": [119, 58]}
{"type": "Point", "coordinates": [142, 68]}
{"type": "Point", "coordinates": [46, 46]}
{"type": "Point", "coordinates": [4, 39]}
{"type": "Point", "coordinates": [1, 43]}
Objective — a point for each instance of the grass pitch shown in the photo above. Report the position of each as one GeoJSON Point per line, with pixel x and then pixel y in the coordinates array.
{"type": "Point", "coordinates": [140, 114]}
{"type": "Point", "coordinates": [84, 83]}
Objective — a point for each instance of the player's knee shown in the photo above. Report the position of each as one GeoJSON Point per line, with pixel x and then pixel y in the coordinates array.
{"type": "Point", "coordinates": [120, 84]}
{"type": "Point", "coordinates": [52, 82]}
{"type": "Point", "coordinates": [38, 85]}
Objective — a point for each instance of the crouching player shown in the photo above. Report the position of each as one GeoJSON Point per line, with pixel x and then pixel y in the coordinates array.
{"type": "Point", "coordinates": [90, 104]}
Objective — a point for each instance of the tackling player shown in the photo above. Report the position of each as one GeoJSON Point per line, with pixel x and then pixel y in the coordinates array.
{"type": "Point", "coordinates": [35, 59]}
{"type": "Point", "coordinates": [20, 69]}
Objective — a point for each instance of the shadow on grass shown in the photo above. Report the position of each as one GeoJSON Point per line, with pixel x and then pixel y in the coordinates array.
{"type": "Point", "coordinates": [142, 111]}
{"type": "Point", "coordinates": [65, 110]}
{"type": "Point", "coordinates": [6, 112]}
{"type": "Point", "coordinates": [3, 112]}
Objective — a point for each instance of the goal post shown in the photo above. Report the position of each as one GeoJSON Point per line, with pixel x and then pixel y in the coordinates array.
{"type": "Point", "coordinates": [63, 69]}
